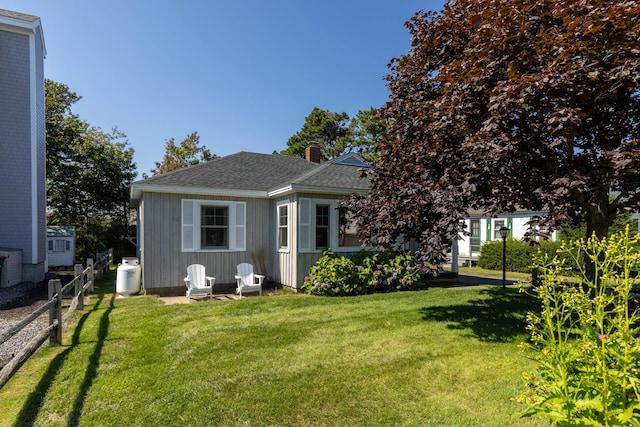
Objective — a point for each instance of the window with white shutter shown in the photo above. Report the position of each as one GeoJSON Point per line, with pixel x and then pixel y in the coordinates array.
{"type": "Point", "coordinates": [304, 225]}
{"type": "Point", "coordinates": [211, 225]}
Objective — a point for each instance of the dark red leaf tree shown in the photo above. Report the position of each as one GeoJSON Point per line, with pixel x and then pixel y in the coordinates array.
{"type": "Point", "coordinates": [501, 105]}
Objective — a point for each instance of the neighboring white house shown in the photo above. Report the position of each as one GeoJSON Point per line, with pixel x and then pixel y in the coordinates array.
{"type": "Point", "coordinates": [61, 245]}
{"type": "Point", "coordinates": [483, 230]}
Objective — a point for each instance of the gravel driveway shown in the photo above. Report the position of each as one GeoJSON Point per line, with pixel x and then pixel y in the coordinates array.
{"type": "Point", "coordinates": [16, 303]}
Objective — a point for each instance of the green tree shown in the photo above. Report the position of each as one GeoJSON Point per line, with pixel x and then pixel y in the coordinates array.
{"type": "Point", "coordinates": [337, 134]}
{"type": "Point", "coordinates": [323, 127]}
{"type": "Point", "coordinates": [502, 105]}
{"type": "Point", "coordinates": [366, 130]}
{"type": "Point", "coordinates": [88, 174]}
{"type": "Point", "coordinates": [619, 224]}
{"type": "Point", "coordinates": [188, 153]}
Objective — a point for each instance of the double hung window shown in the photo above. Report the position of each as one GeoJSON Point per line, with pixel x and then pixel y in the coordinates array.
{"type": "Point", "coordinates": [214, 227]}
{"type": "Point", "coordinates": [283, 226]}
{"type": "Point", "coordinates": [497, 225]}
{"type": "Point", "coordinates": [475, 236]}
{"type": "Point", "coordinates": [347, 231]}
{"type": "Point", "coordinates": [59, 245]}
{"type": "Point", "coordinates": [211, 225]}
{"type": "Point", "coordinates": [323, 225]}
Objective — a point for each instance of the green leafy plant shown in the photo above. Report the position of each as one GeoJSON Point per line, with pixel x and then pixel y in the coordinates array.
{"type": "Point", "coordinates": [586, 336]}
{"type": "Point", "coordinates": [333, 275]}
{"type": "Point", "coordinates": [519, 254]}
{"type": "Point", "coordinates": [365, 272]}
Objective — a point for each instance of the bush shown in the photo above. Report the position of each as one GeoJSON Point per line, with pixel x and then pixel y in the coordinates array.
{"type": "Point", "coordinates": [519, 254]}
{"type": "Point", "coordinates": [362, 273]}
{"type": "Point", "coordinates": [333, 275]}
{"type": "Point", "coordinates": [585, 337]}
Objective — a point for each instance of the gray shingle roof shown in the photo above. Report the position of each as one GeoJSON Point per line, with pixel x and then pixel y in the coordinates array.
{"type": "Point", "coordinates": [329, 175]}
{"type": "Point", "coordinates": [61, 231]}
{"type": "Point", "coordinates": [259, 172]}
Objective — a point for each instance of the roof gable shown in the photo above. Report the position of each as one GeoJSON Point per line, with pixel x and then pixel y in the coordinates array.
{"type": "Point", "coordinates": [349, 159]}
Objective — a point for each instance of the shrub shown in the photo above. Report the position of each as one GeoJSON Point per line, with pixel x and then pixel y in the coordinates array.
{"type": "Point", "coordinates": [333, 275]}
{"type": "Point", "coordinates": [384, 272]}
{"type": "Point", "coordinates": [519, 254]}
{"type": "Point", "coordinates": [586, 337]}
{"type": "Point", "coordinates": [362, 273]}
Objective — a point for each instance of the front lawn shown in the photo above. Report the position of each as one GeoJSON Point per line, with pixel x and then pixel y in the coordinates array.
{"type": "Point", "coordinates": [439, 357]}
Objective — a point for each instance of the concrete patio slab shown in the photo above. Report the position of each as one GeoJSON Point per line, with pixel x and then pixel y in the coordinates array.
{"type": "Point", "coordinates": [195, 299]}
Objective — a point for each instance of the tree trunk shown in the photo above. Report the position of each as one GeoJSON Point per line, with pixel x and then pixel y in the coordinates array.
{"type": "Point", "coordinates": [599, 218]}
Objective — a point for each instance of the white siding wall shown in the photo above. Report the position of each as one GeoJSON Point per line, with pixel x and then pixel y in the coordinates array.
{"type": "Point", "coordinates": [517, 223]}
{"type": "Point", "coordinates": [61, 258]}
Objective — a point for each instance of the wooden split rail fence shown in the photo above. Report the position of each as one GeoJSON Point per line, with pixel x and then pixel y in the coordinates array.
{"type": "Point", "coordinates": [82, 283]}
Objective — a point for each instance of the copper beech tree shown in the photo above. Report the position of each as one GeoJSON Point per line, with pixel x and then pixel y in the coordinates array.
{"type": "Point", "coordinates": [502, 105]}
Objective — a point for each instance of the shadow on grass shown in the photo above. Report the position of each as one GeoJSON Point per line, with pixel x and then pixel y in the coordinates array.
{"type": "Point", "coordinates": [498, 316]}
{"type": "Point", "coordinates": [31, 408]}
{"type": "Point", "coordinates": [92, 367]}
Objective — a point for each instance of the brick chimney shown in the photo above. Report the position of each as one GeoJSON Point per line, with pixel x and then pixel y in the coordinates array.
{"type": "Point", "coordinates": [312, 153]}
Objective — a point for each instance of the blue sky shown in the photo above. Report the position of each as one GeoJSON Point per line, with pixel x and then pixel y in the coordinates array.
{"type": "Point", "coordinates": [244, 74]}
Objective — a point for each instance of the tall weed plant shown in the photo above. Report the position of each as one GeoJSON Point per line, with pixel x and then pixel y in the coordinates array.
{"type": "Point", "coordinates": [586, 336]}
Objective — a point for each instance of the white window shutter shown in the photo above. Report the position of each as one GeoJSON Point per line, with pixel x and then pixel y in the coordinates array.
{"type": "Point", "coordinates": [240, 227]}
{"type": "Point", "coordinates": [188, 231]}
{"type": "Point", "coordinates": [304, 225]}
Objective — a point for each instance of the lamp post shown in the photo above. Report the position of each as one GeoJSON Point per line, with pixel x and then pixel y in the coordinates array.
{"type": "Point", "coordinates": [504, 232]}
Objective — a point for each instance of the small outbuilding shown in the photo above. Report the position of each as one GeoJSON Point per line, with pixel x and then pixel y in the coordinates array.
{"type": "Point", "coordinates": [61, 245]}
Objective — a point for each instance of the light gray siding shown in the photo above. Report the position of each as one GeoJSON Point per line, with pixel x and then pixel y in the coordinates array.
{"type": "Point", "coordinates": [15, 146]}
{"type": "Point", "coordinates": [163, 261]}
{"type": "Point", "coordinates": [285, 260]}
{"type": "Point", "coordinates": [306, 259]}
{"type": "Point", "coordinates": [40, 240]}
{"type": "Point", "coordinates": [23, 148]}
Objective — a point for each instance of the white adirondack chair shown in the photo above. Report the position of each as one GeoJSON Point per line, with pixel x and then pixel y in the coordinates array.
{"type": "Point", "coordinates": [197, 282]}
{"type": "Point", "coordinates": [247, 281]}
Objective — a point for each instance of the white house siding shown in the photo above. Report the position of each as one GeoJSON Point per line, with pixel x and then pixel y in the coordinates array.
{"type": "Point", "coordinates": [517, 224]}
{"type": "Point", "coordinates": [163, 261]}
{"type": "Point", "coordinates": [62, 258]}
{"type": "Point", "coordinates": [22, 145]}
{"type": "Point", "coordinates": [61, 246]}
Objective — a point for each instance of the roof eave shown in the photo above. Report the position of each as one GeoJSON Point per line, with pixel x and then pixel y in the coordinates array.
{"type": "Point", "coordinates": [137, 190]}
{"type": "Point", "coordinates": [25, 26]}
{"type": "Point", "coordinates": [290, 189]}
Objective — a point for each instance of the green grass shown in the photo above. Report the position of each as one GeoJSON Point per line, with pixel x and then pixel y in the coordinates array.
{"type": "Point", "coordinates": [439, 357]}
{"type": "Point", "coordinates": [497, 274]}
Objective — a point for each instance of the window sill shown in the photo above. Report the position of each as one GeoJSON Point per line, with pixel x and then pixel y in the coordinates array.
{"type": "Point", "coordinates": [212, 250]}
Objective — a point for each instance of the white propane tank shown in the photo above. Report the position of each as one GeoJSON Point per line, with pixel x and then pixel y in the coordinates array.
{"type": "Point", "coordinates": [128, 277]}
